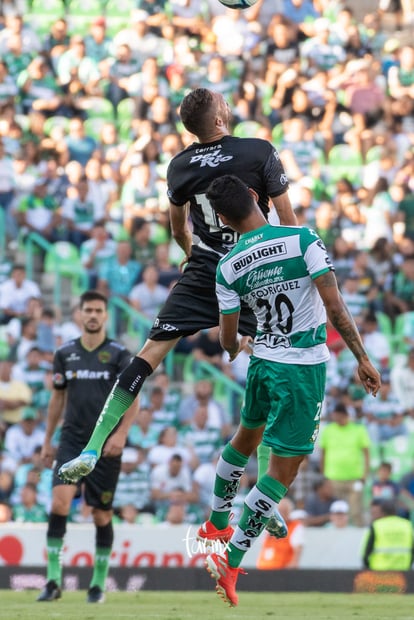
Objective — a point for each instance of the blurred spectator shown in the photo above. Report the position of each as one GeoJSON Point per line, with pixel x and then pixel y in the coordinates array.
{"type": "Point", "coordinates": [339, 514]}
{"type": "Point", "coordinates": [80, 212]}
{"type": "Point", "coordinates": [318, 503]}
{"type": "Point", "coordinates": [97, 251]}
{"type": "Point", "coordinates": [168, 272]}
{"type": "Point", "coordinates": [77, 73]}
{"type": "Point", "coordinates": [15, 293]}
{"type": "Point", "coordinates": [203, 395]}
{"type": "Point", "coordinates": [34, 472]}
{"type": "Point", "coordinates": [171, 481]}
{"type": "Point", "coordinates": [28, 509]}
{"type": "Point", "coordinates": [39, 212]}
{"type": "Point", "coordinates": [6, 513]}
{"type": "Point", "coordinates": [161, 414]}
{"type": "Point", "coordinates": [69, 330]}
{"type": "Point", "coordinates": [143, 248]}
{"type": "Point", "coordinates": [119, 273]}
{"type": "Point", "coordinates": [14, 394]}
{"type": "Point", "coordinates": [399, 297]}
{"type": "Point", "coordinates": [207, 347]}
{"type": "Point", "coordinates": [80, 147]}
{"type": "Point", "coordinates": [98, 45]}
{"type": "Point", "coordinates": [402, 385]}
{"type": "Point", "coordinates": [389, 543]}
{"type": "Point", "coordinates": [376, 343]}
{"type": "Point", "coordinates": [27, 339]}
{"type": "Point", "coordinates": [133, 486]}
{"type": "Point", "coordinates": [345, 460]}
{"type": "Point", "coordinates": [204, 440]}
{"type": "Point", "coordinates": [141, 432]}
{"type": "Point", "coordinates": [167, 446]}
{"type": "Point", "coordinates": [384, 415]}
{"type": "Point", "coordinates": [16, 26]}
{"type": "Point", "coordinates": [148, 295]}
{"type": "Point", "coordinates": [32, 370]}
{"type": "Point", "coordinates": [137, 35]}
{"type": "Point", "coordinates": [282, 553]}
{"type": "Point", "coordinates": [23, 437]}
{"type": "Point", "coordinates": [38, 89]}
{"type": "Point", "coordinates": [383, 487]}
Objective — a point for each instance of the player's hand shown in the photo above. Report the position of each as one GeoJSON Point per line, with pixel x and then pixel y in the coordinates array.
{"type": "Point", "coordinates": [47, 455]}
{"type": "Point", "coordinates": [370, 377]}
{"type": "Point", "coordinates": [183, 263]}
{"type": "Point", "coordinates": [114, 445]}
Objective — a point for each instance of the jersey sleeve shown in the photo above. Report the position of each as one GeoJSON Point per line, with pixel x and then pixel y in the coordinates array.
{"type": "Point", "coordinates": [315, 254]}
{"type": "Point", "coordinates": [276, 179]}
{"type": "Point", "coordinates": [172, 191]}
{"type": "Point", "coordinates": [125, 358]}
{"type": "Point", "coordinates": [228, 299]}
{"type": "Point", "coordinates": [59, 376]}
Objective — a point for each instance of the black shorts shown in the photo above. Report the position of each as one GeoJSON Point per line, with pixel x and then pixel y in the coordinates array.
{"type": "Point", "coordinates": [99, 486]}
{"type": "Point", "coordinates": [192, 304]}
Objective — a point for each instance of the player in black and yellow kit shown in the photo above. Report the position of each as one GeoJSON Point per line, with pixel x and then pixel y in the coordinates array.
{"type": "Point", "coordinates": [84, 372]}
{"type": "Point", "coordinates": [192, 303]}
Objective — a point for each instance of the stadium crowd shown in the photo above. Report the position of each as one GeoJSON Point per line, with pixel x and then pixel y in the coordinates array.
{"type": "Point", "coordinates": [89, 119]}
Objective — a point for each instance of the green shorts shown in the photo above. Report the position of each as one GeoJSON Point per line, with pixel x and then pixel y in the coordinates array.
{"type": "Point", "coordinates": [287, 398]}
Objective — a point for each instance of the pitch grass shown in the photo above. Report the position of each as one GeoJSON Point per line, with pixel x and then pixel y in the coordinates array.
{"type": "Point", "coordinates": [208, 606]}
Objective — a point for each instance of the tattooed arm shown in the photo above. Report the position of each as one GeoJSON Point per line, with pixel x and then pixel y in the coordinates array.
{"type": "Point", "coordinates": [343, 322]}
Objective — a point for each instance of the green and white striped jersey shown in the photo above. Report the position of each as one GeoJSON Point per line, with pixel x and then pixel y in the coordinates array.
{"type": "Point", "coordinates": [272, 269]}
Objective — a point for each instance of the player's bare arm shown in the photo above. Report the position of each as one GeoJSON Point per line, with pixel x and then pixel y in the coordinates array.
{"type": "Point", "coordinates": [284, 210]}
{"type": "Point", "coordinates": [180, 229]}
{"type": "Point", "coordinates": [344, 323]}
{"type": "Point", "coordinates": [229, 340]}
{"type": "Point", "coordinates": [54, 412]}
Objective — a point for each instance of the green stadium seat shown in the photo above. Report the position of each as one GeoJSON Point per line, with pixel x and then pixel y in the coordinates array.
{"type": "Point", "coordinates": [126, 110]}
{"type": "Point", "coordinates": [55, 121]}
{"type": "Point", "coordinates": [277, 134]}
{"type": "Point", "coordinates": [93, 126]}
{"type": "Point", "coordinates": [98, 107]}
{"type": "Point", "coordinates": [344, 162]}
{"type": "Point", "coordinates": [63, 260]}
{"type": "Point", "coordinates": [119, 8]}
{"type": "Point", "coordinates": [399, 451]}
{"type": "Point", "coordinates": [246, 129]}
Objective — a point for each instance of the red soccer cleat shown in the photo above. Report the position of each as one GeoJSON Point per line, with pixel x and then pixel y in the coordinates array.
{"type": "Point", "coordinates": [225, 576]}
{"type": "Point", "coordinates": [208, 532]}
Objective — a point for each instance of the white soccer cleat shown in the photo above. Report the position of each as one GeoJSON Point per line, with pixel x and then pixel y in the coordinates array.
{"type": "Point", "coordinates": [79, 467]}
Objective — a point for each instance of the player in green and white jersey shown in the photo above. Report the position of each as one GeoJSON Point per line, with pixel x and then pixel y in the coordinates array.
{"type": "Point", "coordinates": [286, 277]}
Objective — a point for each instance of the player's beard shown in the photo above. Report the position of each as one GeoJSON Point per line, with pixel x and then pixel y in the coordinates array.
{"type": "Point", "coordinates": [95, 329]}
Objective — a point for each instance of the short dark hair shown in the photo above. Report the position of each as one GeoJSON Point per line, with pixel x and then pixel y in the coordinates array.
{"type": "Point", "coordinates": [387, 507]}
{"type": "Point", "coordinates": [229, 196]}
{"type": "Point", "coordinates": [340, 408]}
{"type": "Point", "coordinates": [194, 108]}
{"type": "Point", "coordinates": [92, 296]}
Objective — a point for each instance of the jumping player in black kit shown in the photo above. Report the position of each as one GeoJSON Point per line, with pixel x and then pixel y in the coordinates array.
{"type": "Point", "coordinates": [84, 371]}
{"type": "Point", "coordinates": [192, 304]}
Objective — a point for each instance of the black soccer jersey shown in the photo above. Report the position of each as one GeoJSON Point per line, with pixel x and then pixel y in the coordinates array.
{"type": "Point", "coordinates": [88, 377]}
{"type": "Point", "coordinates": [254, 161]}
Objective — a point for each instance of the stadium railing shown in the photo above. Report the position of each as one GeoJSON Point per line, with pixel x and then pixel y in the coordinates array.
{"type": "Point", "coordinates": [61, 264]}
{"type": "Point", "coordinates": [137, 327]}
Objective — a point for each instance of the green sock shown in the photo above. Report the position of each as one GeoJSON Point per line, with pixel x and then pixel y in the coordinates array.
{"type": "Point", "coordinates": [263, 456]}
{"type": "Point", "coordinates": [258, 508]}
{"type": "Point", "coordinates": [54, 560]}
{"type": "Point", "coordinates": [230, 469]}
{"type": "Point", "coordinates": [101, 567]}
{"type": "Point", "coordinates": [114, 408]}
